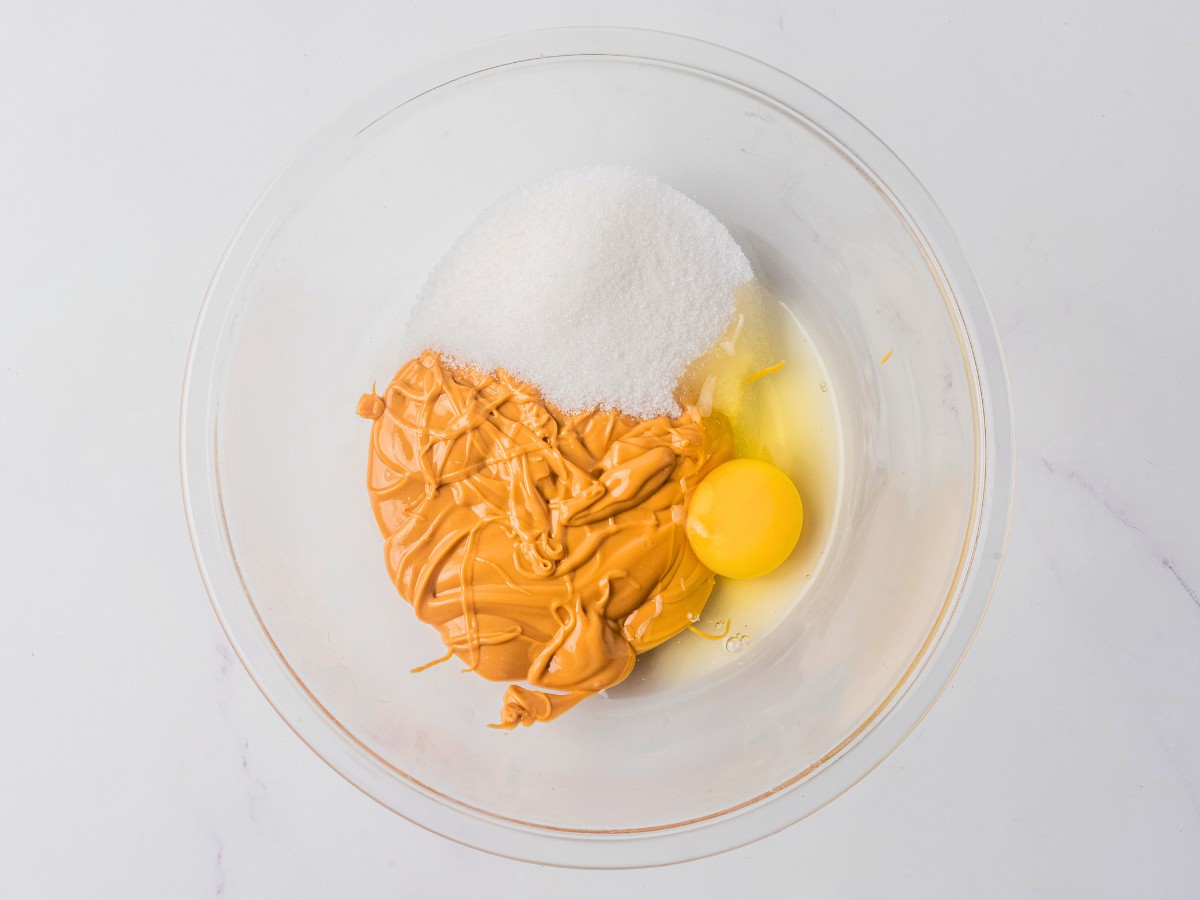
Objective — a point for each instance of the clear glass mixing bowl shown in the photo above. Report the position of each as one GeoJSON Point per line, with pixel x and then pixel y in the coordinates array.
{"type": "Point", "coordinates": [308, 308]}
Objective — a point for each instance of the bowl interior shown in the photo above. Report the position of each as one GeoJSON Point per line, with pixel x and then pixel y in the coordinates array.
{"type": "Point", "coordinates": [319, 314]}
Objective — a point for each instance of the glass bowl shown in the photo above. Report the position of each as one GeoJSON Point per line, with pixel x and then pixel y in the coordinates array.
{"type": "Point", "coordinates": [308, 308]}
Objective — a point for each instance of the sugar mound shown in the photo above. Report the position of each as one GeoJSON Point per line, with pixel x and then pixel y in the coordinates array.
{"type": "Point", "coordinates": [598, 285]}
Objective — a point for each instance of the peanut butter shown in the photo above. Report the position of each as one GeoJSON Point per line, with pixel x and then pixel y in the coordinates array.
{"type": "Point", "coordinates": [545, 548]}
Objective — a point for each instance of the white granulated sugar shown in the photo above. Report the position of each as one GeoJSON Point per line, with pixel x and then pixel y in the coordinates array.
{"type": "Point", "coordinates": [599, 286]}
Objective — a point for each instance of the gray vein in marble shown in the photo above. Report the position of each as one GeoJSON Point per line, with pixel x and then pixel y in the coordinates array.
{"type": "Point", "coordinates": [220, 880]}
{"type": "Point", "coordinates": [1170, 567]}
{"type": "Point", "coordinates": [1088, 487]}
{"type": "Point", "coordinates": [258, 794]}
{"type": "Point", "coordinates": [1091, 490]}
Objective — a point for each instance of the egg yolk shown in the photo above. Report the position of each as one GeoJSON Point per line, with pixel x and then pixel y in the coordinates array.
{"type": "Point", "coordinates": [744, 518]}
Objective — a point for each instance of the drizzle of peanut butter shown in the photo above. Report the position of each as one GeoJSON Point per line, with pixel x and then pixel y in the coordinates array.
{"type": "Point", "coordinates": [545, 548]}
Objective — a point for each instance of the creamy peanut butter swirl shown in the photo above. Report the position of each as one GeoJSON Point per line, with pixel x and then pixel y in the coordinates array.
{"type": "Point", "coordinates": [545, 548]}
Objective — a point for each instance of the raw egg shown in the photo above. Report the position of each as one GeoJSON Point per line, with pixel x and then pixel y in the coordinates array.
{"type": "Point", "coordinates": [744, 518]}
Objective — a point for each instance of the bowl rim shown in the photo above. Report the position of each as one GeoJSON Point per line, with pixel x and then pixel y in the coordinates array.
{"type": "Point", "coordinates": [817, 784]}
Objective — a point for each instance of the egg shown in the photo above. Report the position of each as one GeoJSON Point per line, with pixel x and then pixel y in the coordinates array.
{"type": "Point", "coordinates": [744, 518]}
{"type": "Point", "coordinates": [738, 380]}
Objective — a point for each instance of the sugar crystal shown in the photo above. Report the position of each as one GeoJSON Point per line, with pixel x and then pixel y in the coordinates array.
{"type": "Point", "coordinates": [598, 285]}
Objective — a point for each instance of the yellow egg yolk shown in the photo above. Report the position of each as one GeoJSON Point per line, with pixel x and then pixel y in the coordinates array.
{"type": "Point", "coordinates": [744, 518]}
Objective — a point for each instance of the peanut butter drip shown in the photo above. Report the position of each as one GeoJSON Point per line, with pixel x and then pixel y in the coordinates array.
{"type": "Point", "coordinates": [545, 548]}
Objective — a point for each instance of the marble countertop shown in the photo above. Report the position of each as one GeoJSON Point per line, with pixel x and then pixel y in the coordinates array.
{"type": "Point", "coordinates": [139, 760]}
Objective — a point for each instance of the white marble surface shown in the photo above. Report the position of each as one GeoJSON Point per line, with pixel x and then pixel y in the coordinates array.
{"type": "Point", "coordinates": [137, 758]}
